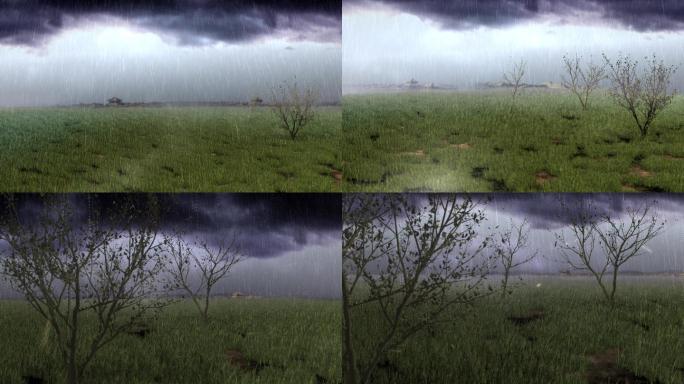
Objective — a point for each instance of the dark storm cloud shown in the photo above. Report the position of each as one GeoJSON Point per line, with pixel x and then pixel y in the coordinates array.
{"type": "Point", "coordinates": [553, 210]}
{"type": "Point", "coordinates": [547, 210]}
{"type": "Point", "coordinates": [188, 22]}
{"type": "Point", "coordinates": [266, 224]}
{"type": "Point", "coordinates": [642, 15]}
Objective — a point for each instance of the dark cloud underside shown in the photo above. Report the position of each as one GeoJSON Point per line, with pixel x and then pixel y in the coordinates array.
{"type": "Point", "coordinates": [267, 224]}
{"type": "Point", "coordinates": [188, 22]}
{"type": "Point", "coordinates": [642, 15]}
{"type": "Point", "coordinates": [553, 210]}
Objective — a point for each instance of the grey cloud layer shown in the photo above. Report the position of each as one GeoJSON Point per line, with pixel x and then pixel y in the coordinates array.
{"type": "Point", "coordinates": [268, 224]}
{"type": "Point", "coordinates": [547, 210]}
{"type": "Point", "coordinates": [188, 22]}
{"type": "Point", "coordinates": [643, 15]}
{"type": "Point", "coordinates": [554, 210]}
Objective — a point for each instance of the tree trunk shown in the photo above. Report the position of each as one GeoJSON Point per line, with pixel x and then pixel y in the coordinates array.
{"type": "Point", "coordinates": [205, 314]}
{"type": "Point", "coordinates": [350, 371]}
{"type": "Point", "coordinates": [73, 373]}
{"type": "Point", "coordinates": [504, 283]}
{"type": "Point", "coordinates": [72, 376]}
{"type": "Point", "coordinates": [612, 293]}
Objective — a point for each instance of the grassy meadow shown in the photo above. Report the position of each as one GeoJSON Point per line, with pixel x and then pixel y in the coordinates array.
{"type": "Point", "coordinates": [166, 149]}
{"type": "Point", "coordinates": [284, 341]}
{"type": "Point", "coordinates": [482, 141]}
{"type": "Point", "coordinates": [559, 332]}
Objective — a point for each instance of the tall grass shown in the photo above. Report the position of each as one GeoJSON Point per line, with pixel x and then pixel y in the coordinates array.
{"type": "Point", "coordinates": [569, 322]}
{"type": "Point", "coordinates": [294, 339]}
{"type": "Point", "coordinates": [206, 149]}
{"type": "Point", "coordinates": [480, 141]}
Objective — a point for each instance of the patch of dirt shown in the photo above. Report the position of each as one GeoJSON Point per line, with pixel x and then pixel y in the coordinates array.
{"type": "Point", "coordinates": [498, 185]}
{"type": "Point", "coordinates": [629, 187]}
{"type": "Point", "coordinates": [580, 151]}
{"type": "Point", "coordinates": [333, 171]}
{"type": "Point", "coordinates": [542, 177]}
{"type": "Point", "coordinates": [638, 170]}
{"type": "Point", "coordinates": [30, 379]}
{"type": "Point", "coordinates": [238, 360]}
{"type": "Point", "coordinates": [383, 180]}
{"type": "Point", "coordinates": [668, 156]}
{"type": "Point", "coordinates": [641, 325]}
{"type": "Point", "coordinates": [140, 333]}
{"type": "Point", "coordinates": [556, 141]}
{"type": "Point", "coordinates": [462, 146]}
{"type": "Point", "coordinates": [478, 172]}
{"type": "Point", "coordinates": [625, 139]}
{"type": "Point", "coordinates": [533, 315]}
{"type": "Point", "coordinates": [603, 368]}
{"type": "Point", "coordinates": [388, 366]}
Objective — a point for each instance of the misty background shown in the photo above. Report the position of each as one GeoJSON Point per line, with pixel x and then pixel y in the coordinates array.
{"type": "Point", "coordinates": [465, 44]}
{"type": "Point", "coordinates": [292, 241]}
{"type": "Point", "coordinates": [550, 213]}
{"type": "Point", "coordinates": [546, 215]}
{"type": "Point", "coordinates": [72, 52]}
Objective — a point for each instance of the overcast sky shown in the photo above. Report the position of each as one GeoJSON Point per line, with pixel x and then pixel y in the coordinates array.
{"type": "Point", "coordinates": [292, 241]}
{"type": "Point", "coordinates": [546, 216]}
{"type": "Point", "coordinates": [466, 42]}
{"type": "Point", "coordinates": [550, 213]}
{"type": "Point", "coordinates": [68, 52]}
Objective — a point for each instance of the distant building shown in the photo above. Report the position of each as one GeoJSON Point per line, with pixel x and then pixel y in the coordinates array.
{"type": "Point", "coordinates": [115, 101]}
{"type": "Point", "coordinates": [413, 83]}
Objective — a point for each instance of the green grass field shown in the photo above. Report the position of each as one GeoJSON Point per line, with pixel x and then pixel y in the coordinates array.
{"type": "Point", "coordinates": [293, 339]}
{"type": "Point", "coordinates": [174, 149]}
{"type": "Point", "coordinates": [560, 332]}
{"type": "Point", "coordinates": [480, 141]}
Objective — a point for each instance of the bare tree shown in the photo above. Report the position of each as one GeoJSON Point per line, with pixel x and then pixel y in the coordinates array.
{"type": "Point", "coordinates": [621, 239]}
{"type": "Point", "coordinates": [71, 272]}
{"type": "Point", "coordinates": [292, 107]}
{"type": "Point", "coordinates": [582, 81]}
{"type": "Point", "coordinates": [413, 262]}
{"type": "Point", "coordinates": [577, 248]}
{"type": "Point", "coordinates": [510, 243]}
{"type": "Point", "coordinates": [363, 242]}
{"type": "Point", "coordinates": [212, 262]}
{"type": "Point", "coordinates": [643, 94]}
{"type": "Point", "coordinates": [514, 78]}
